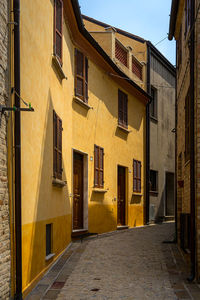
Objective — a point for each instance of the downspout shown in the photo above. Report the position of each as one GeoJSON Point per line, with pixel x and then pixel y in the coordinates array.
{"type": "Point", "coordinates": [176, 175]}
{"type": "Point", "coordinates": [192, 151]}
{"type": "Point", "coordinates": [17, 141]}
{"type": "Point", "coordinates": [148, 135]}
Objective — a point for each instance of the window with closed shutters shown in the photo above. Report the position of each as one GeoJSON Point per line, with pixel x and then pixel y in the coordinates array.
{"type": "Point", "coordinates": [136, 68]}
{"type": "Point", "coordinates": [136, 176]}
{"type": "Point", "coordinates": [58, 16]}
{"type": "Point", "coordinates": [153, 104]}
{"type": "Point", "coordinates": [122, 109]}
{"type": "Point", "coordinates": [98, 166]}
{"type": "Point", "coordinates": [57, 146]}
{"type": "Point", "coordinates": [81, 76]}
{"type": "Point", "coordinates": [121, 54]}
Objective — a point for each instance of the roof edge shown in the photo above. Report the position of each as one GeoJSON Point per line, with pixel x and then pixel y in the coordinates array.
{"type": "Point", "coordinates": [98, 48]}
{"type": "Point", "coordinates": [162, 58]}
{"type": "Point", "coordinates": [128, 34]}
{"type": "Point", "coordinates": [173, 16]}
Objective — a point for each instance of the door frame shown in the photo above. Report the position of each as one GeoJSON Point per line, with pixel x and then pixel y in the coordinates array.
{"type": "Point", "coordinates": [126, 195]}
{"type": "Point", "coordinates": [85, 189]}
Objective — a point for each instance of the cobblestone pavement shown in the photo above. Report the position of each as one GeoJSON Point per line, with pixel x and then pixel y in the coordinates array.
{"type": "Point", "coordinates": [129, 264]}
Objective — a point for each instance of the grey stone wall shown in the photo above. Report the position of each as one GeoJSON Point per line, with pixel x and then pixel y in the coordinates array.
{"type": "Point", "coordinates": [4, 200]}
{"type": "Point", "coordinates": [162, 138]}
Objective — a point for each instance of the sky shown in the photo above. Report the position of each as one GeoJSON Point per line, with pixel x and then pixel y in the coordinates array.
{"type": "Point", "coordinates": [148, 19]}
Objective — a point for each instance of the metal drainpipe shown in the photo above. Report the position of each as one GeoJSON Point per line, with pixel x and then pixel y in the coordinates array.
{"type": "Point", "coordinates": [17, 140]}
{"type": "Point", "coordinates": [192, 150]}
{"type": "Point", "coordinates": [148, 135]}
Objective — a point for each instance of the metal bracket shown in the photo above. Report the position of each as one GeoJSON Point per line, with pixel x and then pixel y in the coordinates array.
{"type": "Point", "coordinates": [14, 108]}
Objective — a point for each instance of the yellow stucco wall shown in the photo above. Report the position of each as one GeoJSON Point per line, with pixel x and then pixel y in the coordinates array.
{"type": "Point", "coordinates": [42, 203]}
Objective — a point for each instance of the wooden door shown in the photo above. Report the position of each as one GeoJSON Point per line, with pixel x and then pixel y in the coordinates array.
{"type": "Point", "coordinates": [121, 199]}
{"type": "Point", "coordinates": [78, 191]}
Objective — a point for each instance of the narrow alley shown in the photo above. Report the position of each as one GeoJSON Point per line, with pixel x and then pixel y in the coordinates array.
{"type": "Point", "coordinates": [128, 264]}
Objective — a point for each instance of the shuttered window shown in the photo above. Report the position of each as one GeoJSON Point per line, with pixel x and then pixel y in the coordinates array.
{"type": "Point", "coordinates": [81, 76]}
{"type": "Point", "coordinates": [58, 15]}
{"type": "Point", "coordinates": [98, 167]}
{"type": "Point", "coordinates": [57, 146]}
{"type": "Point", "coordinates": [187, 127]}
{"type": "Point", "coordinates": [136, 68]}
{"type": "Point", "coordinates": [48, 239]}
{"type": "Point", "coordinates": [136, 176]}
{"type": "Point", "coordinates": [121, 54]}
{"type": "Point", "coordinates": [122, 109]}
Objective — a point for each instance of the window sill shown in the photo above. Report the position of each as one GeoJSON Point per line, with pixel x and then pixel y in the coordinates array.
{"type": "Point", "coordinates": [99, 190]}
{"type": "Point", "coordinates": [59, 183]}
{"type": "Point", "coordinates": [48, 257]}
{"type": "Point", "coordinates": [154, 119]}
{"type": "Point", "coordinates": [58, 67]}
{"type": "Point", "coordinates": [123, 129]}
{"type": "Point", "coordinates": [82, 103]}
{"type": "Point", "coordinates": [154, 193]}
{"type": "Point", "coordinates": [137, 194]}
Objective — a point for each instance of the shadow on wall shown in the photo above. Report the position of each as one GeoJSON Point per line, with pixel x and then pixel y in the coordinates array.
{"type": "Point", "coordinates": [52, 204]}
{"type": "Point", "coordinates": [103, 95]}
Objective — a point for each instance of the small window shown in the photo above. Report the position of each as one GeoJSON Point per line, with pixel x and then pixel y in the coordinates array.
{"type": "Point", "coordinates": [187, 127]}
{"type": "Point", "coordinates": [57, 146]}
{"type": "Point", "coordinates": [153, 104]}
{"type": "Point", "coordinates": [81, 76]}
{"type": "Point", "coordinates": [121, 54]}
{"type": "Point", "coordinates": [122, 109]}
{"type": "Point", "coordinates": [136, 68]}
{"type": "Point", "coordinates": [58, 16]}
{"type": "Point", "coordinates": [48, 239]}
{"type": "Point", "coordinates": [98, 166]}
{"type": "Point", "coordinates": [136, 176]}
{"type": "Point", "coordinates": [153, 181]}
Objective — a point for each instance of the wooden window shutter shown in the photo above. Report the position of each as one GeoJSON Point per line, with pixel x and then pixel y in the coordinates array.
{"type": "Point", "coordinates": [139, 176]}
{"type": "Point", "coordinates": [81, 76]}
{"type": "Point", "coordinates": [101, 175]}
{"type": "Point", "coordinates": [98, 166]}
{"type": "Point", "coordinates": [57, 141]}
{"type": "Point", "coordinates": [136, 68]}
{"type": "Point", "coordinates": [121, 54]}
{"type": "Point", "coordinates": [122, 109]}
{"type": "Point", "coordinates": [58, 19]}
{"type": "Point", "coordinates": [136, 176]}
{"type": "Point", "coordinates": [86, 79]}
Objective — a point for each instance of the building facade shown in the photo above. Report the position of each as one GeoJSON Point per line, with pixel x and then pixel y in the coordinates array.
{"type": "Point", "coordinates": [185, 28]}
{"type": "Point", "coordinates": [144, 64]}
{"type": "Point", "coordinates": [4, 195]}
{"type": "Point", "coordinates": [83, 147]}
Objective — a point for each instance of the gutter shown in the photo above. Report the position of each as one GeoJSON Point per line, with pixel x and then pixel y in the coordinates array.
{"type": "Point", "coordinates": [173, 16]}
{"type": "Point", "coordinates": [192, 145]}
{"type": "Point", "coordinates": [17, 142]}
{"type": "Point", "coordinates": [98, 48]}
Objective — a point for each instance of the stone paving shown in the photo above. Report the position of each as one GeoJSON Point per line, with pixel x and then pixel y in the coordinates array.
{"type": "Point", "coordinates": [129, 264]}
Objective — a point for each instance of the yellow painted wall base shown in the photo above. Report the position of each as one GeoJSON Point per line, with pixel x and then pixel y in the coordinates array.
{"type": "Point", "coordinates": [34, 246]}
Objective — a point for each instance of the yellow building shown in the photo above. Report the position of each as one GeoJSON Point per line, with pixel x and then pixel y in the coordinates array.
{"type": "Point", "coordinates": [83, 147]}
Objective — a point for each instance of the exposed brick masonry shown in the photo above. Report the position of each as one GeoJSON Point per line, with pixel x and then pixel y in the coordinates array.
{"type": "Point", "coordinates": [4, 200]}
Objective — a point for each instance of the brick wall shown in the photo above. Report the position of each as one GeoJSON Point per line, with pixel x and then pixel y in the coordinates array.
{"type": "Point", "coordinates": [4, 201]}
